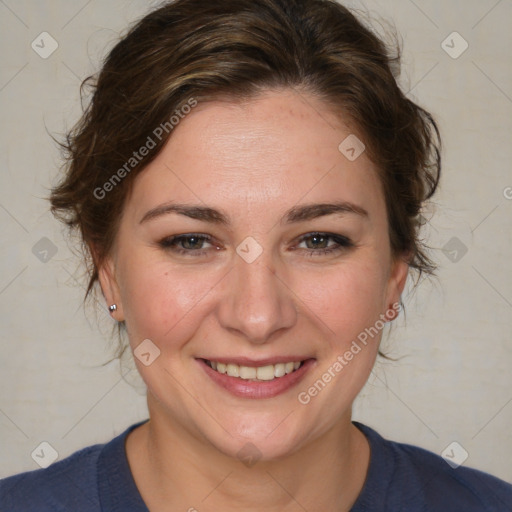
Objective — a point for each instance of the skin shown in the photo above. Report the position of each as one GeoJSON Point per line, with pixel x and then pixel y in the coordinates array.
{"type": "Point", "coordinates": [253, 161]}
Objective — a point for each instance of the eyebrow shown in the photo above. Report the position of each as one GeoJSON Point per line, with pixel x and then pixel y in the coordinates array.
{"type": "Point", "coordinates": [299, 213]}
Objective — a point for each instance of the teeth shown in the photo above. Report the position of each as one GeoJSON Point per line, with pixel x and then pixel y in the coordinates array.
{"type": "Point", "coordinates": [246, 372]}
{"type": "Point", "coordinates": [268, 372]}
{"type": "Point", "coordinates": [233, 370]}
{"type": "Point", "coordinates": [265, 372]}
{"type": "Point", "coordinates": [279, 370]}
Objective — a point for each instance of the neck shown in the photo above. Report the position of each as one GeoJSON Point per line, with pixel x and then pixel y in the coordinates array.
{"type": "Point", "coordinates": [174, 470]}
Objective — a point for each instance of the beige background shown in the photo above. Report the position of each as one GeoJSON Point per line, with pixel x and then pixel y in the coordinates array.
{"type": "Point", "coordinates": [453, 382]}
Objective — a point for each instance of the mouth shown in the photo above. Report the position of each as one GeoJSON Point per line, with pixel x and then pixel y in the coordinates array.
{"type": "Point", "coordinates": [255, 373]}
{"type": "Point", "coordinates": [263, 379]}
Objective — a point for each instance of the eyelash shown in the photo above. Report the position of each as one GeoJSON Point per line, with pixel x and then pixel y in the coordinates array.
{"type": "Point", "coordinates": [342, 243]}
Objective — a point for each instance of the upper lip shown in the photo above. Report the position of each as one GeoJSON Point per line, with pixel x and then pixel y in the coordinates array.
{"type": "Point", "coordinates": [245, 361]}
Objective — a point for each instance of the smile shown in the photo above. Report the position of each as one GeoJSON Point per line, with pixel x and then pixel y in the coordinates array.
{"type": "Point", "coordinates": [256, 373]}
{"type": "Point", "coordinates": [265, 380]}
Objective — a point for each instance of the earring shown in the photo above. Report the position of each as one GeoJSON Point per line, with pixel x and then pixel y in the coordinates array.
{"type": "Point", "coordinates": [112, 308]}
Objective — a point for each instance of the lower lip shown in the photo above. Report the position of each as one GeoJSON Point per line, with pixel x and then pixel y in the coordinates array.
{"type": "Point", "coordinates": [257, 389]}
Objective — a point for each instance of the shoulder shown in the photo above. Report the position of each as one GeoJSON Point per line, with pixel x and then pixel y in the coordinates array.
{"type": "Point", "coordinates": [92, 479]}
{"type": "Point", "coordinates": [418, 479]}
{"type": "Point", "coordinates": [451, 487]}
{"type": "Point", "coordinates": [69, 484]}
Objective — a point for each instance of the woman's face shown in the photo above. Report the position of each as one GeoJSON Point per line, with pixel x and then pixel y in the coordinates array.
{"type": "Point", "coordinates": [282, 256]}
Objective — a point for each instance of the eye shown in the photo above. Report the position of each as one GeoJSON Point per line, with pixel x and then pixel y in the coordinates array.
{"type": "Point", "coordinates": [190, 244]}
{"type": "Point", "coordinates": [318, 244]}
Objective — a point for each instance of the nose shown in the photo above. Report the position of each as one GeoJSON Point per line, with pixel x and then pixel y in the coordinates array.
{"type": "Point", "coordinates": [256, 302]}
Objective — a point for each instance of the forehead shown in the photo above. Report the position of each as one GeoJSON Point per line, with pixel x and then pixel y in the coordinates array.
{"type": "Point", "coordinates": [267, 152]}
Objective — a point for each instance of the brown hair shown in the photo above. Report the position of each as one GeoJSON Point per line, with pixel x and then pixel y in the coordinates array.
{"type": "Point", "coordinates": [196, 50]}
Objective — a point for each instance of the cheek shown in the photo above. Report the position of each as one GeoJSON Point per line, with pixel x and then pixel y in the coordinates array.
{"type": "Point", "coordinates": [346, 299]}
{"type": "Point", "coordinates": [161, 303]}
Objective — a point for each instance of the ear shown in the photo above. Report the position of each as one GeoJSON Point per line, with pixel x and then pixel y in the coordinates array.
{"type": "Point", "coordinates": [396, 283]}
{"type": "Point", "coordinates": [110, 287]}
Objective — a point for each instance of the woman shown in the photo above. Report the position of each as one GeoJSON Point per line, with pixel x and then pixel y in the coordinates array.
{"type": "Point", "coordinates": [248, 180]}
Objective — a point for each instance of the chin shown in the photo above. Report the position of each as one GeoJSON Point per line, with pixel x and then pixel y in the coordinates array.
{"type": "Point", "coordinates": [258, 446]}
{"type": "Point", "coordinates": [264, 436]}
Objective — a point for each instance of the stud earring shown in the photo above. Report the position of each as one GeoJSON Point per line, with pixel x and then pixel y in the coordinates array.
{"type": "Point", "coordinates": [112, 308]}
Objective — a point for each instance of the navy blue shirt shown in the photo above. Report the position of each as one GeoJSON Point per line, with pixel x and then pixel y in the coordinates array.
{"type": "Point", "coordinates": [400, 477]}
